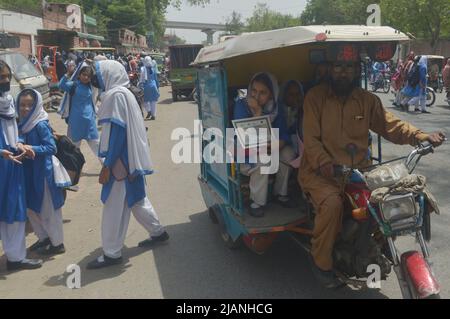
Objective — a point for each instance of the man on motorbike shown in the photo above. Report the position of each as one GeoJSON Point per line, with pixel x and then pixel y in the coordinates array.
{"type": "Point", "coordinates": [336, 114]}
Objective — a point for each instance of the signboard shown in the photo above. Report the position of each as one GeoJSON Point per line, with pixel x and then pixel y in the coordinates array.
{"type": "Point", "coordinates": [374, 20]}
{"type": "Point", "coordinates": [74, 17]}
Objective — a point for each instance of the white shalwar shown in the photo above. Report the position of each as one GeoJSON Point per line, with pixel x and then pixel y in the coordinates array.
{"type": "Point", "coordinates": [259, 183]}
{"type": "Point", "coordinates": [116, 217]}
{"type": "Point", "coordinates": [49, 223]}
{"type": "Point", "coordinates": [13, 240]}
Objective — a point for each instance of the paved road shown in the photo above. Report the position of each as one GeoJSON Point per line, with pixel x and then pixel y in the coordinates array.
{"type": "Point", "coordinates": [195, 263]}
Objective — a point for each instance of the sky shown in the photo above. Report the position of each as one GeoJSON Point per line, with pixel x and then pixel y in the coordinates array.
{"type": "Point", "coordinates": [219, 10]}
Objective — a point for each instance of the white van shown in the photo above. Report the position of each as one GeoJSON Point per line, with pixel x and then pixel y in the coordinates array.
{"type": "Point", "coordinates": [25, 75]}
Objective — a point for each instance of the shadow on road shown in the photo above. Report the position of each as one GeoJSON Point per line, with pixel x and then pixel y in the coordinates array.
{"type": "Point", "coordinates": [196, 264]}
{"type": "Point", "coordinates": [91, 276]}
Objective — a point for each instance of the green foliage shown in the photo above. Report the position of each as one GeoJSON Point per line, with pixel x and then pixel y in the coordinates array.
{"type": "Point", "coordinates": [263, 19]}
{"type": "Point", "coordinates": [429, 19]}
{"type": "Point", "coordinates": [336, 11]}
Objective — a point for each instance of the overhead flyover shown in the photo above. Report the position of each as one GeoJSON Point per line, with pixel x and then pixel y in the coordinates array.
{"type": "Point", "coordinates": [208, 28]}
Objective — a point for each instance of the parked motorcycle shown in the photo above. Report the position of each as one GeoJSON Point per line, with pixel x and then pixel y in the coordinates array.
{"type": "Point", "coordinates": [431, 96]}
{"type": "Point", "coordinates": [369, 231]}
{"type": "Point", "coordinates": [381, 82]}
{"type": "Point", "coordinates": [56, 96]}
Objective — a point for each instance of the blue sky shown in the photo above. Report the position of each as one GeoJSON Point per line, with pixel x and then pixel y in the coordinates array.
{"type": "Point", "coordinates": [219, 10]}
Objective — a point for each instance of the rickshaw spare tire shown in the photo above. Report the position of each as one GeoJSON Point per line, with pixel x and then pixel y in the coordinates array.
{"type": "Point", "coordinates": [259, 243]}
{"type": "Point", "coordinates": [229, 242]}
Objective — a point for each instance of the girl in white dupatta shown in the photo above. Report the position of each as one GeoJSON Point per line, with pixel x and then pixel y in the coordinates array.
{"type": "Point", "coordinates": [45, 176]}
{"type": "Point", "coordinates": [124, 145]}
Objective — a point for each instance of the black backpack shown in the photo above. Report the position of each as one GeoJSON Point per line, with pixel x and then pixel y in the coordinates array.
{"type": "Point", "coordinates": [414, 75]}
{"type": "Point", "coordinates": [70, 157]}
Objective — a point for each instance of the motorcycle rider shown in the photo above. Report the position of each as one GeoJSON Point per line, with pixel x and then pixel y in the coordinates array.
{"type": "Point", "coordinates": [337, 113]}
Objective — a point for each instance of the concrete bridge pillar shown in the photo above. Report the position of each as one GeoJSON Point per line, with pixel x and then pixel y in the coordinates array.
{"type": "Point", "coordinates": [209, 35]}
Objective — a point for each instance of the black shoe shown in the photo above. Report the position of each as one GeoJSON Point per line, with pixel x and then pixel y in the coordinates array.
{"type": "Point", "coordinates": [327, 279]}
{"type": "Point", "coordinates": [24, 264]}
{"type": "Point", "coordinates": [149, 115]}
{"type": "Point", "coordinates": [286, 202]}
{"type": "Point", "coordinates": [154, 239]}
{"type": "Point", "coordinates": [426, 112]}
{"type": "Point", "coordinates": [416, 110]}
{"type": "Point", "coordinates": [51, 250]}
{"type": "Point", "coordinates": [103, 261]}
{"type": "Point", "coordinates": [256, 212]}
{"type": "Point", "coordinates": [39, 244]}
{"type": "Point", "coordinates": [153, 118]}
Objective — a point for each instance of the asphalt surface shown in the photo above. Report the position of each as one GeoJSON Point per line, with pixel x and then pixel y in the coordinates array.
{"type": "Point", "coordinates": [195, 263]}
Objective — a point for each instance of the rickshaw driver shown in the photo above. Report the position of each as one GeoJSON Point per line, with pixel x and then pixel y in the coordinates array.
{"type": "Point", "coordinates": [337, 113]}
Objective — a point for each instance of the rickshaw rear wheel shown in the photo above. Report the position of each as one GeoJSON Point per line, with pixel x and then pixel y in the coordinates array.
{"type": "Point", "coordinates": [228, 240]}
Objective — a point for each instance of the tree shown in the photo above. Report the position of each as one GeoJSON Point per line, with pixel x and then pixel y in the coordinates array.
{"type": "Point", "coordinates": [234, 24]}
{"type": "Point", "coordinates": [336, 11]}
{"type": "Point", "coordinates": [429, 19]}
{"type": "Point", "coordinates": [265, 19]}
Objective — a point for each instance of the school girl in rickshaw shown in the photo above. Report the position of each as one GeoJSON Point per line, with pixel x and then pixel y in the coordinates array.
{"type": "Point", "coordinates": [291, 101]}
{"type": "Point", "coordinates": [261, 100]}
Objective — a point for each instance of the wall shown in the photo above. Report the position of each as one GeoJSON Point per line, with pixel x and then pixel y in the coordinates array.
{"type": "Point", "coordinates": [423, 47]}
{"type": "Point", "coordinates": [23, 25]}
{"type": "Point", "coordinates": [55, 16]}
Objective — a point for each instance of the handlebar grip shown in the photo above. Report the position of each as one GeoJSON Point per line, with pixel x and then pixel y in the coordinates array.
{"type": "Point", "coordinates": [425, 148]}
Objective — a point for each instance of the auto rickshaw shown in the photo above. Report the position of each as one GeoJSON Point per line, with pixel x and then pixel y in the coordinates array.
{"type": "Point", "coordinates": [223, 71]}
{"type": "Point", "coordinates": [435, 67]}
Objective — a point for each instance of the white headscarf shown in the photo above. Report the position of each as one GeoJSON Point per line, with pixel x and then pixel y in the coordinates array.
{"type": "Point", "coordinates": [144, 70]}
{"type": "Point", "coordinates": [8, 119]}
{"type": "Point", "coordinates": [37, 114]}
{"type": "Point", "coordinates": [271, 108]}
{"type": "Point", "coordinates": [119, 106]}
{"type": "Point", "coordinates": [64, 107]}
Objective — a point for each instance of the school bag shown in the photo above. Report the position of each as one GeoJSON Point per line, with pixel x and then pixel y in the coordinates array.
{"type": "Point", "coordinates": [414, 76]}
{"type": "Point", "coordinates": [70, 157]}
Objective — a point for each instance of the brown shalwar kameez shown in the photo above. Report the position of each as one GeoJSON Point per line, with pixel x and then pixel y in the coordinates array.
{"type": "Point", "coordinates": [330, 123]}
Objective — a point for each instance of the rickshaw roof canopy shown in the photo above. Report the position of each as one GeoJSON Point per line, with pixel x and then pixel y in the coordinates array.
{"type": "Point", "coordinates": [99, 49]}
{"type": "Point", "coordinates": [437, 57]}
{"type": "Point", "coordinates": [267, 40]}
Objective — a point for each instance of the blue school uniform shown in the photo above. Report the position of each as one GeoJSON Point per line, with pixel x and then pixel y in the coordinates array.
{"type": "Point", "coordinates": [81, 120]}
{"type": "Point", "coordinates": [40, 169]}
{"type": "Point", "coordinates": [135, 190]}
{"type": "Point", "coordinates": [13, 206]}
{"type": "Point", "coordinates": [151, 86]}
{"type": "Point", "coordinates": [242, 111]}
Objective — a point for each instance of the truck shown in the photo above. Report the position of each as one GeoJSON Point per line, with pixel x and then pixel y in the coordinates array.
{"type": "Point", "coordinates": [182, 75]}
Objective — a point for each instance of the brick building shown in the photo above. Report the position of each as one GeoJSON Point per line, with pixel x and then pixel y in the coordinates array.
{"type": "Point", "coordinates": [127, 41]}
{"type": "Point", "coordinates": [66, 26]}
